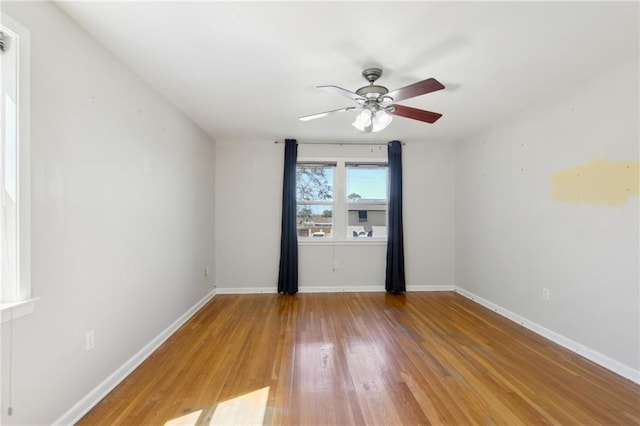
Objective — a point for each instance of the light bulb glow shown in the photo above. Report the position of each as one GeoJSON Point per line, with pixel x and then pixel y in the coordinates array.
{"type": "Point", "coordinates": [363, 121]}
{"type": "Point", "coordinates": [380, 120]}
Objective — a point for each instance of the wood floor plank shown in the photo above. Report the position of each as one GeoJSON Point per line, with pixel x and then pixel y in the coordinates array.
{"type": "Point", "coordinates": [364, 358]}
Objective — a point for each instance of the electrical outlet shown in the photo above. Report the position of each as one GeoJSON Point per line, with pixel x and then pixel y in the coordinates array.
{"type": "Point", "coordinates": [206, 271]}
{"type": "Point", "coordinates": [335, 265]}
{"type": "Point", "coordinates": [545, 293]}
{"type": "Point", "coordinates": [89, 340]}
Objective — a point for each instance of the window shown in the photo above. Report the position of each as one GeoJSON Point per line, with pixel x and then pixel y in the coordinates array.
{"type": "Point", "coordinates": [14, 162]}
{"type": "Point", "coordinates": [9, 177]}
{"type": "Point", "coordinates": [314, 194]}
{"type": "Point", "coordinates": [357, 207]}
{"type": "Point", "coordinates": [367, 191]}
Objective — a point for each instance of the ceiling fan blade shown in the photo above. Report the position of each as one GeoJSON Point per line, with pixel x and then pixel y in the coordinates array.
{"type": "Point", "coordinates": [343, 92]}
{"type": "Point", "coordinates": [416, 89]}
{"type": "Point", "coordinates": [324, 114]}
{"type": "Point", "coordinates": [416, 114]}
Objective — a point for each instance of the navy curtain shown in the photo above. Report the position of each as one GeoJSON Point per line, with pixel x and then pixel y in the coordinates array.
{"type": "Point", "coordinates": [395, 281]}
{"type": "Point", "coordinates": [288, 275]}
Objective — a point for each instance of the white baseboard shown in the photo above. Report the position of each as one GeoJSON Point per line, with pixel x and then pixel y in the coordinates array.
{"type": "Point", "coordinates": [330, 289]}
{"type": "Point", "coordinates": [588, 353]}
{"type": "Point", "coordinates": [341, 289]}
{"type": "Point", "coordinates": [246, 290]}
{"type": "Point", "coordinates": [411, 288]}
{"type": "Point", "coordinates": [312, 289]}
{"type": "Point", "coordinates": [82, 407]}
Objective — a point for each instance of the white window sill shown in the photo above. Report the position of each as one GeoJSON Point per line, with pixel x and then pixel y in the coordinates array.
{"type": "Point", "coordinates": [362, 241]}
{"type": "Point", "coordinates": [13, 310]}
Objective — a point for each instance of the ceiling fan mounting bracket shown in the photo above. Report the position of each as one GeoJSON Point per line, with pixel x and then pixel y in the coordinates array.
{"type": "Point", "coordinates": [372, 74]}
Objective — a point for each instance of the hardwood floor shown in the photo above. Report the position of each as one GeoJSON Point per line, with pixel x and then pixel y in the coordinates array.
{"type": "Point", "coordinates": [364, 358]}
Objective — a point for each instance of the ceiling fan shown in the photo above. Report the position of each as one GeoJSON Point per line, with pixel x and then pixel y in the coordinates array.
{"type": "Point", "coordinates": [377, 102]}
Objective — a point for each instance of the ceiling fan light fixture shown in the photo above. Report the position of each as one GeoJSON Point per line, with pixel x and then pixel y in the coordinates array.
{"type": "Point", "coordinates": [385, 101]}
{"type": "Point", "coordinates": [380, 121]}
{"type": "Point", "coordinates": [363, 121]}
{"type": "Point", "coordinates": [377, 102]}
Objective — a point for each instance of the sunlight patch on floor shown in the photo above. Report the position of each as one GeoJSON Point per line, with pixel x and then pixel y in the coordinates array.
{"type": "Point", "coordinates": [247, 409]}
{"type": "Point", "coordinates": [189, 420]}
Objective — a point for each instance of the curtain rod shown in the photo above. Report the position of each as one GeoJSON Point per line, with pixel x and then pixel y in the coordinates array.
{"type": "Point", "coordinates": [312, 142]}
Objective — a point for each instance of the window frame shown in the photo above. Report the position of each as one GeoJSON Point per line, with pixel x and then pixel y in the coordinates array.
{"type": "Point", "coordinates": [319, 202]}
{"type": "Point", "coordinates": [21, 301]}
{"type": "Point", "coordinates": [340, 202]}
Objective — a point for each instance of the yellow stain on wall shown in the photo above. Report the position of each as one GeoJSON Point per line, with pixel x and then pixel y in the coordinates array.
{"type": "Point", "coordinates": [597, 182]}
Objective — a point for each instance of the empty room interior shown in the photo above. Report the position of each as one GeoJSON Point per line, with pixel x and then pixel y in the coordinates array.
{"type": "Point", "coordinates": [320, 212]}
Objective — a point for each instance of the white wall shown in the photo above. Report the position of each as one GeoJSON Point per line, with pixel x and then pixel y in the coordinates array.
{"type": "Point", "coordinates": [247, 219]}
{"type": "Point", "coordinates": [513, 240]}
{"type": "Point", "coordinates": [429, 219]}
{"type": "Point", "coordinates": [248, 208]}
{"type": "Point", "coordinates": [122, 218]}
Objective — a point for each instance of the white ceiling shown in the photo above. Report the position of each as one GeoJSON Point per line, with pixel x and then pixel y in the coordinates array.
{"type": "Point", "coordinates": [247, 70]}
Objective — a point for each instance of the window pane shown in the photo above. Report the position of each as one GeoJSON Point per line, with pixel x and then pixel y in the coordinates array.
{"type": "Point", "coordinates": [314, 182]}
{"type": "Point", "coordinates": [366, 183]}
{"type": "Point", "coordinates": [315, 220]}
{"type": "Point", "coordinates": [366, 200]}
{"type": "Point", "coordinates": [9, 232]}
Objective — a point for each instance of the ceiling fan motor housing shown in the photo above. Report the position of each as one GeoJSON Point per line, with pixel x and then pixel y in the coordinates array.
{"type": "Point", "coordinates": [372, 92]}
